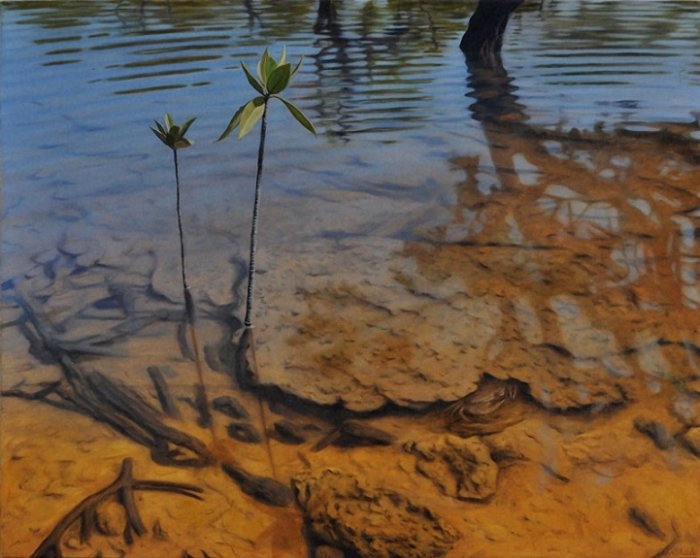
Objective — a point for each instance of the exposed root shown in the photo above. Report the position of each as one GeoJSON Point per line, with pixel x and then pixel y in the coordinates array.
{"type": "Point", "coordinates": [122, 490]}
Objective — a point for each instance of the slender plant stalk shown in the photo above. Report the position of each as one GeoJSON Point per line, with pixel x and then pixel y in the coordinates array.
{"type": "Point", "coordinates": [173, 136]}
{"type": "Point", "coordinates": [248, 322]}
{"type": "Point", "coordinates": [272, 78]}
{"type": "Point", "coordinates": [189, 306]}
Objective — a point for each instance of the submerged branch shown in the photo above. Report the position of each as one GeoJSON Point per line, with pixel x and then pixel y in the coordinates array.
{"type": "Point", "coordinates": [123, 490]}
{"type": "Point", "coordinates": [167, 403]}
{"type": "Point", "coordinates": [107, 401]}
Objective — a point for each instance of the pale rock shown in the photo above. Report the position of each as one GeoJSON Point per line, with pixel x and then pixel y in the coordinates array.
{"type": "Point", "coordinates": [460, 468]}
{"type": "Point", "coordinates": [345, 512]}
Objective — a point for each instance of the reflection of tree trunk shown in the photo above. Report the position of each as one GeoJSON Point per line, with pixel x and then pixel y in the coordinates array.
{"type": "Point", "coordinates": [326, 18]}
{"type": "Point", "coordinates": [253, 14]}
{"type": "Point", "coordinates": [495, 96]}
{"type": "Point", "coordinates": [501, 116]}
{"type": "Point", "coordinates": [641, 257]}
{"type": "Point", "coordinates": [483, 39]}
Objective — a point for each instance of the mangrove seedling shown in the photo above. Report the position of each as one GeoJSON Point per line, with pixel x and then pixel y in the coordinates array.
{"type": "Point", "coordinates": [173, 136]}
{"type": "Point", "coordinates": [272, 78]}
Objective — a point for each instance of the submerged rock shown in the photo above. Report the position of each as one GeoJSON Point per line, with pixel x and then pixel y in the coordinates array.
{"type": "Point", "coordinates": [547, 280]}
{"type": "Point", "coordinates": [325, 551]}
{"type": "Point", "coordinates": [656, 431]}
{"type": "Point", "coordinates": [231, 407]}
{"type": "Point", "coordinates": [412, 338]}
{"type": "Point", "coordinates": [352, 433]}
{"type": "Point", "coordinates": [343, 512]}
{"type": "Point", "coordinates": [289, 432]}
{"type": "Point", "coordinates": [243, 432]}
{"type": "Point", "coordinates": [460, 468]}
{"type": "Point", "coordinates": [691, 440]}
{"type": "Point", "coordinates": [264, 489]}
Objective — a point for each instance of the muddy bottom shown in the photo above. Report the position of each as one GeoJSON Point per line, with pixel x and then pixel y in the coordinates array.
{"type": "Point", "coordinates": [494, 474]}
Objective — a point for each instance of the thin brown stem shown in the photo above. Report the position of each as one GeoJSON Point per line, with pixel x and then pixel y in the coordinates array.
{"type": "Point", "coordinates": [123, 488]}
{"type": "Point", "coordinates": [189, 310]}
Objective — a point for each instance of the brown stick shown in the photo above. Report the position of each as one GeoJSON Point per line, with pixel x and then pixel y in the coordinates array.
{"type": "Point", "coordinates": [165, 398]}
{"type": "Point", "coordinates": [127, 403]}
{"type": "Point", "coordinates": [119, 406]}
{"type": "Point", "coordinates": [123, 488]}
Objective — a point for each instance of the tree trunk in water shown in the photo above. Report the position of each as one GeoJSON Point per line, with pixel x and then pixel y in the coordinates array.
{"type": "Point", "coordinates": [483, 39]}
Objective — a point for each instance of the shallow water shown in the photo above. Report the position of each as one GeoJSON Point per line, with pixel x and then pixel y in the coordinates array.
{"type": "Point", "coordinates": [498, 270]}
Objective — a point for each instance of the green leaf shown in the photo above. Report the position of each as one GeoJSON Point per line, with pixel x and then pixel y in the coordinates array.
{"type": "Point", "coordinates": [257, 85]}
{"type": "Point", "coordinates": [252, 112]}
{"type": "Point", "coordinates": [298, 115]}
{"type": "Point", "coordinates": [283, 58]}
{"type": "Point", "coordinates": [186, 126]}
{"type": "Point", "coordinates": [233, 123]}
{"type": "Point", "coordinates": [181, 143]}
{"type": "Point", "coordinates": [160, 135]}
{"type": "Point", "coordinates": [279, 79]}
{"type": "Point", "coordinates": [296, 68]}
{"type": "Point", "coordinates": [265, 66]}
{"type": "Point", "coordinates": [261, 71]}
{"type": "Point", "coordinates": [160, 128]}
{"type": "Point", "coordinates": [171, 134]}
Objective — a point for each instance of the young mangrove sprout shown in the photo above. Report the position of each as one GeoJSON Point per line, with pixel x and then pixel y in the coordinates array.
{"type": "Point", "coordinates": [272, 78]}
{"type": "Point", "coordinates": [173, 136]}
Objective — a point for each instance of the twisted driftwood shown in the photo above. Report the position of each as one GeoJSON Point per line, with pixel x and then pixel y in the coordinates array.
{"type": "Point", "coordinates": [123, 490]}
{"type": "Point", "coordinates": [110, 402]}
{"type": "Point", "coordinates": [124, 409]}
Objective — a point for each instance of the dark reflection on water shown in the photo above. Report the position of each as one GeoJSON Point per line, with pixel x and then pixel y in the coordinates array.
{"type": "Point", "coordinates": [537, 223]}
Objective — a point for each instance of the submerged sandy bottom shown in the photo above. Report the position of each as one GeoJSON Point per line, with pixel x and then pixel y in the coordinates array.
{"type": "Point", "coordinates": [567, 485]}
{"type": "Point", "coordinates": [514, 376]}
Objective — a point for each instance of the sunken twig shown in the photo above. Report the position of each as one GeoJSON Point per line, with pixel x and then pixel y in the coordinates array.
{"type": "Point", "coordinates": [122, 490]}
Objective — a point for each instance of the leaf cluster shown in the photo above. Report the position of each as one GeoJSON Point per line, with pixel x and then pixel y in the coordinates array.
{"type": "Point", "coordinates": [171, 134]}
{"type": "Point", "coordinates": [272, 78]}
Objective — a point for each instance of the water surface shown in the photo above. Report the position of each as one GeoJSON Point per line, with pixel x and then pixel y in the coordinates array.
{"type": "Point", "coordinates": [528, 236]}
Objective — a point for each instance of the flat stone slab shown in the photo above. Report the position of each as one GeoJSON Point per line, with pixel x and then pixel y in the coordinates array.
{"type": "Point", "coordinates": [413, 324]}
{"type": "Point", "coordinates": [565, 282]}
